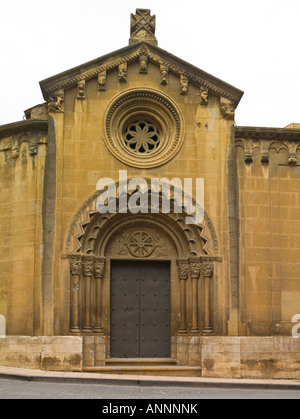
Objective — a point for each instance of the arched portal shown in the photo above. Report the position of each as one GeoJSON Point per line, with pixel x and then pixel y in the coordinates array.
{"type": "Point", "coordinates": [128, 262]}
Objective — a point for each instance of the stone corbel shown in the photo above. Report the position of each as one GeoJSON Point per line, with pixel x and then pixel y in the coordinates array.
{"type": "Point", "coordinates": [143, 64]}
{"type": "Point", "coordinates": [81, 90]}
{"type": "Point", "coordinates": [184, 84]}
{"type": "Point", "coordinates": [227, 108]}
{"type": "Point", "coordinates": [264, 154]}
{"type": "Point", "coordinates": [203, 96]}
{"type": "Point", "coordinates": [102, 81]}
{"type": "Point", "coordinates": [164, 72]}
{"type": "Point", "coordinates": [292, 150]}
{"type": "Point", "coordinates": [123, 73]}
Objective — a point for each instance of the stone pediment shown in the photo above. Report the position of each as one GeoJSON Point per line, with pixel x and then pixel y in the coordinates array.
{"type": "Point", "coordinates": [143, 52]}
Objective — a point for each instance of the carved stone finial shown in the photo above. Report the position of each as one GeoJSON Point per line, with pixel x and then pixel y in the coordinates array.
{"type": "Point", "coordinates": [142, 27]}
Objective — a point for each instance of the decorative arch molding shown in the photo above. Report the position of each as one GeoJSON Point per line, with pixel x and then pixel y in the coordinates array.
{"type": "Point", "coordinates": [89, 228]}
{"type": "Point", "coordinates": [93, 239]}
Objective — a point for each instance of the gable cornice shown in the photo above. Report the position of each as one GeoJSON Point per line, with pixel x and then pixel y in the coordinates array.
{"type": "Point", "coordinates": [91, 69]}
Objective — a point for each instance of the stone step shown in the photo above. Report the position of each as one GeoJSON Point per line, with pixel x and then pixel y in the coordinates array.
{"type": "Point", "coordinates": [140, 361]}
{"type": "Point", "coordinates": [159, 370]}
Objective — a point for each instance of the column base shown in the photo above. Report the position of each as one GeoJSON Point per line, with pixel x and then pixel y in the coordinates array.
{"type": "Point", "coordinates": [99, 331]}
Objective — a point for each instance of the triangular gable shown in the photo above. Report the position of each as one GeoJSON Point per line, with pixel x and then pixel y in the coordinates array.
{"type": "Point", "coordinates": [134, 52]}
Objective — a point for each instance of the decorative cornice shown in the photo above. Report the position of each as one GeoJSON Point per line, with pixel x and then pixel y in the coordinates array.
{"type": "Point", "coordinates": [111, 61]}
{"type": "Point", "coordinates": [24, 126]}
{"type": "Point", "coordinates": [263, 133]}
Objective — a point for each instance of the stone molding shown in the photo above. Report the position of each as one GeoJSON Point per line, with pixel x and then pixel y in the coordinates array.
{"type": "Point", "coordinates": [74, 241]}
{"type": "Point", "coordinates": [265, 141]}
{"type": "Point", "coordinates": [166, 61]}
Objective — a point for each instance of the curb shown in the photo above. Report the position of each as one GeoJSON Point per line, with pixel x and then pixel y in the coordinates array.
{"type": "Point", "coordinates": [153, 381]}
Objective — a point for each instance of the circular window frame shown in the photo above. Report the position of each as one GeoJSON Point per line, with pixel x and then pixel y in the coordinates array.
{"type": "Point", "coordinates": [145, 105]}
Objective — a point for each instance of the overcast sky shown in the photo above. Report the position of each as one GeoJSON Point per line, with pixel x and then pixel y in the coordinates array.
{"type": "Point", "coordinates": [253, 45]}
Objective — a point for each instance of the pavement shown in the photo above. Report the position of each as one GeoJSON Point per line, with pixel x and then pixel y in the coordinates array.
{"type": "Point", "coordinates": [142, 380]}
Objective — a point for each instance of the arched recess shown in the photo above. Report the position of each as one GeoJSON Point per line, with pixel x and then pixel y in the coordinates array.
{"type": "Point", "coordinates": [94, 239]}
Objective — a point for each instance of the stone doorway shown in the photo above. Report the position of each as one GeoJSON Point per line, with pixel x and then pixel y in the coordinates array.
{"type": "Point", "coordinates": [140, 309]}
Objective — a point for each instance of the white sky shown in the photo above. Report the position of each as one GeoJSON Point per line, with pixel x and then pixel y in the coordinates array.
{"type": "Point", "coordinates": [253, 45]}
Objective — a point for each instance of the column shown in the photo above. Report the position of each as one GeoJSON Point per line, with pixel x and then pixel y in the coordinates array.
{"type": "Point", "coordinates": [87, 268]}
{"type": "Point", "coordinates": [208, 270]}
{"type": "Point", "coordinates": [75, 267]}
{"type": "Point", "coordinates": [99, 266]}
{"type": "Point", "coordinates": [183, 271]}
{"type": "Point", "coordinates": [195, 271]}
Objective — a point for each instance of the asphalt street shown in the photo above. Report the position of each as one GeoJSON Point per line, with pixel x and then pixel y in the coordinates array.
{"type": "Point", "coordinates": [19, 389]}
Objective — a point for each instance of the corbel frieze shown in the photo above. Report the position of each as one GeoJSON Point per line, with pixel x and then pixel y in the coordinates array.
{"type": "Point", "coordinates": [145, 53]}
{"type": "Point", "coordinates": [31, 139]}
{"type": "Point", "coordinates": [265, 146]}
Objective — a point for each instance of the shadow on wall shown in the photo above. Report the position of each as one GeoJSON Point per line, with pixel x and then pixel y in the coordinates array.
{"type": "Point", "coordinates": [2, 326]}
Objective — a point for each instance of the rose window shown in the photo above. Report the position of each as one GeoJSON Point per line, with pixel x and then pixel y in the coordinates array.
{"type": "Point", "coordinates": [142, 137]}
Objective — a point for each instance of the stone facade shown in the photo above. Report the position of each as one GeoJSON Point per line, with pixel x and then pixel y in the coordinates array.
{"type": "Point", "coordinates": [234, 277]}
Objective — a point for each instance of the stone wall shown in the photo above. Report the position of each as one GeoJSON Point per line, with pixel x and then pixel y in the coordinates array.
{"type": "Point", "coordinates": [60, 353]}
{"type": "Point", "coordinates": [275, 357]}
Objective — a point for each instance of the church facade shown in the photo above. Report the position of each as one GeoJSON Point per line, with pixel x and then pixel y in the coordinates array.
{"type": "Point", "coordinates": [146, 290]}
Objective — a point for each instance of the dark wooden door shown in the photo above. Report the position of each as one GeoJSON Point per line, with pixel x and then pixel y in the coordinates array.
{"type": "Point", "coordinates": [140, 309]}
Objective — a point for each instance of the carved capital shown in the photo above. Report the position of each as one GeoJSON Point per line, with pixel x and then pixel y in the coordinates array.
{"type": "Point", "coordinates": [195, 268]}
{"type": "Point", "coordinates": [75, 264]}
{"type": "Point", "coordinates": [99, 266]}
{"type": "Point", "coordinates": [183, 269]}
{"type": "Point", "coordinates": [207, 269]}
{"type": "Point", "coordinates": [88, 265]}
